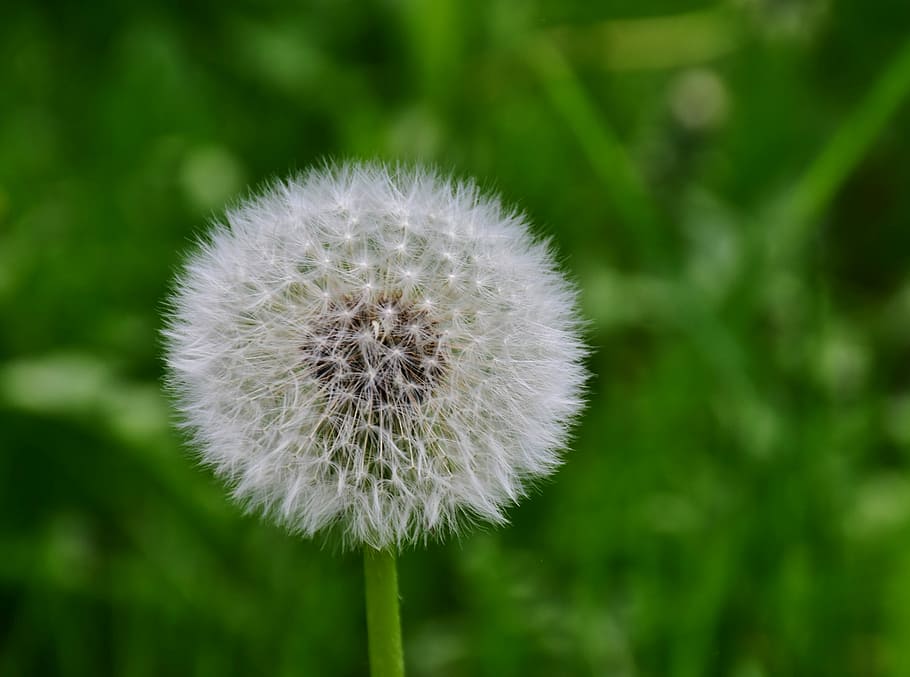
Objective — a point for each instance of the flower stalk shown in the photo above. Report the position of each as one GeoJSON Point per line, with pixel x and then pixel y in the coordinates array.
{"type": "Point", "coordinates": [383, 621]}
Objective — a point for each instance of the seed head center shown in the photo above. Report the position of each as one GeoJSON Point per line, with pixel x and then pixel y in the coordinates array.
{"type": "Point", "coordinates": [377, 352]}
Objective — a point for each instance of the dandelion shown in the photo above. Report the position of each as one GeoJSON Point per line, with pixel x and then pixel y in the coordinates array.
{"type": "Point", "coordinates": [383, 353]}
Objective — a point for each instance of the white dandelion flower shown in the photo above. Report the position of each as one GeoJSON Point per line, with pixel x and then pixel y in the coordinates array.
{"type": "Point", "coordinates": [385, 352]}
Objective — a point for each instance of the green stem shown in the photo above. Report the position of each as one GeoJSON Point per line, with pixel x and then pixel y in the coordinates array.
{"type": "Point", "coordinates": [383, 622]}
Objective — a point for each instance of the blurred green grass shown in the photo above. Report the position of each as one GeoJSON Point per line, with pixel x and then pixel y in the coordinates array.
{"type": "Point", "coordinates": [726, 182]}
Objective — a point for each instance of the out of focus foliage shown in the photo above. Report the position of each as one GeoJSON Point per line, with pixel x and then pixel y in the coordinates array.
{"type": "Point", "coordinates": [728, 182]}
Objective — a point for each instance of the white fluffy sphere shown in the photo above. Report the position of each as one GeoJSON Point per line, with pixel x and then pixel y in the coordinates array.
{"type": "Point", "coordinates": [384, 352]}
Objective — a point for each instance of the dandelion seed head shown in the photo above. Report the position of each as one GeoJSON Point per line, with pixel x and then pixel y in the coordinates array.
{"type": "Point", "coordinates": [383, 352]}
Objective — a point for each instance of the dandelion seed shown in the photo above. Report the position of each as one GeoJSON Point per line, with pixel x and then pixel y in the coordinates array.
{"type": "Point", "coordinates": [336, 378]}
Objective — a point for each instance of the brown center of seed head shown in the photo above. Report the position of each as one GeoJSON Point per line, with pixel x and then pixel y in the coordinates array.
{"type": "Point", "coordinates": [375, 352]}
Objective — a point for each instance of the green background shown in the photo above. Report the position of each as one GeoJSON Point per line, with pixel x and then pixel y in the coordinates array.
{"type": "Point", "coordinates": [729, 184]}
